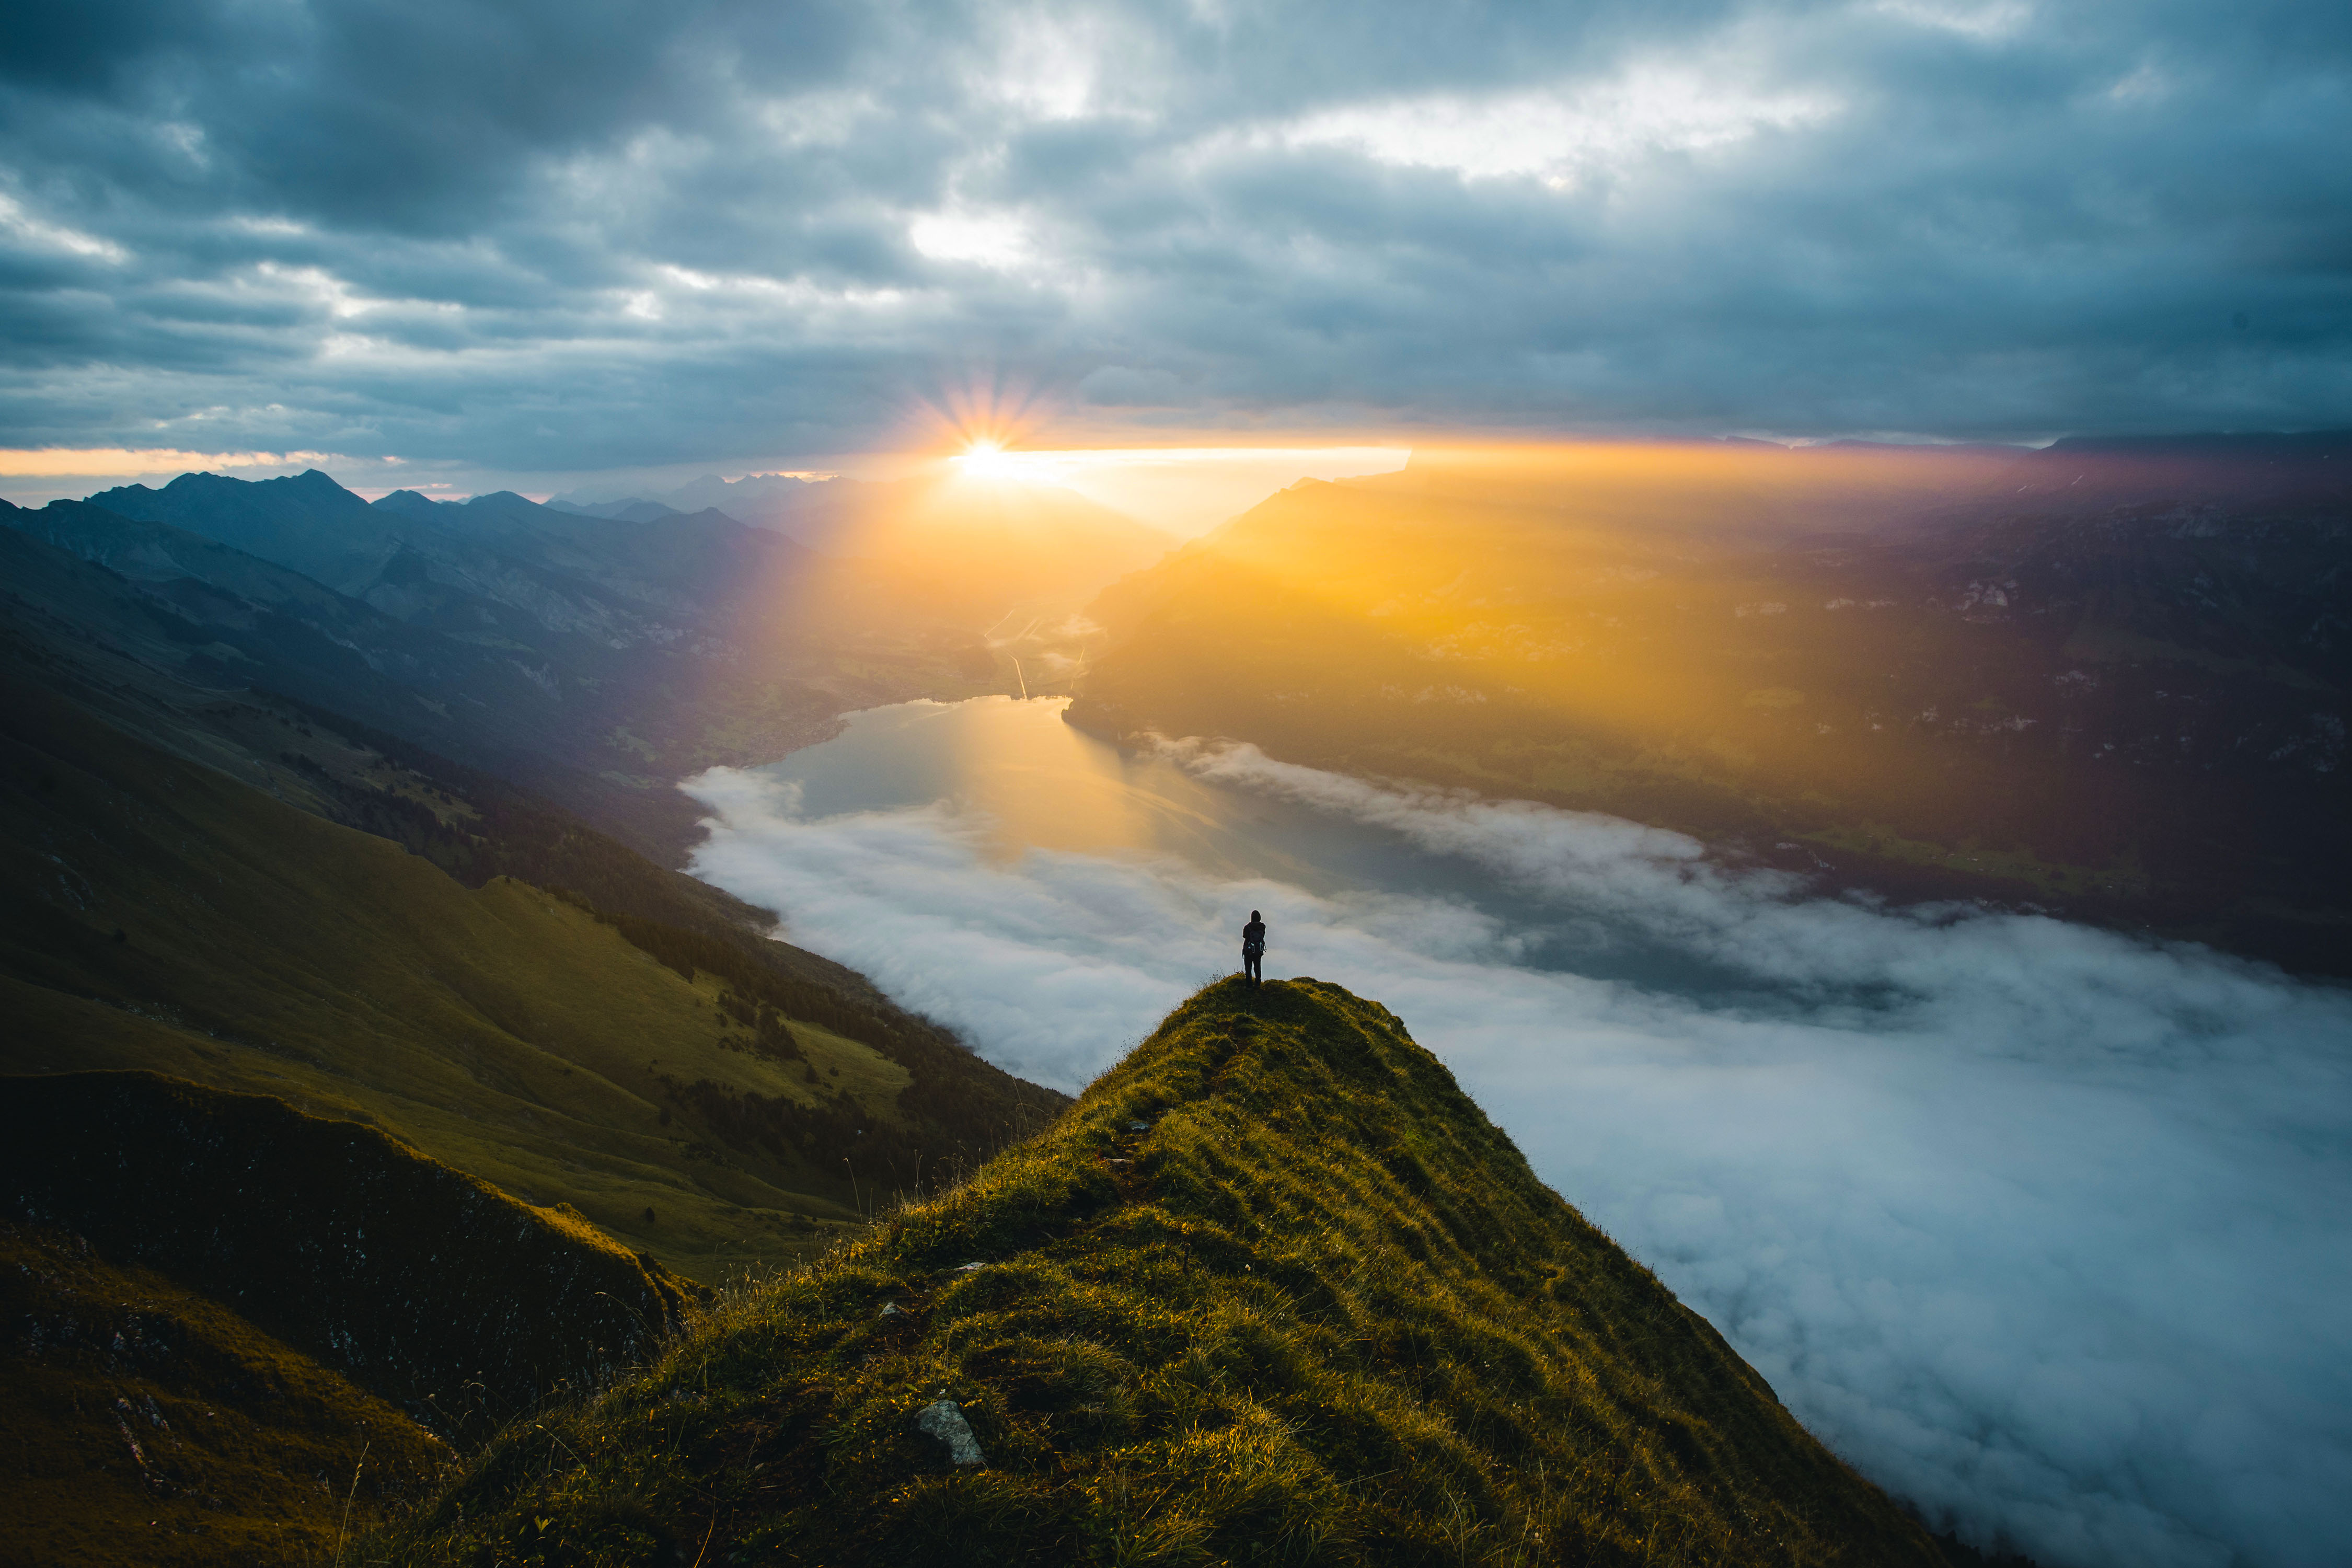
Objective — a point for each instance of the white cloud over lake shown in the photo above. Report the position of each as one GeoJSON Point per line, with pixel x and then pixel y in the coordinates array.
{"type": "Point", "coordinates": [2044, 1229]}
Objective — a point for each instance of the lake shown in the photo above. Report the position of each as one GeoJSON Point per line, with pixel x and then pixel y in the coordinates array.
{"type": "Point", "coordinates": [1025, 780]}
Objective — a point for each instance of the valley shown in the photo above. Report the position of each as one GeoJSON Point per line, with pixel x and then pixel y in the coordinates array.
{"type": "Point", "coordinates": [194, 922]}
{"type": "Point", "coordinates": [657, 661]}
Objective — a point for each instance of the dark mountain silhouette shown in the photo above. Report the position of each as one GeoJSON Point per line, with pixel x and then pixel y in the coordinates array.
{"type": "Point", "coordinates": [306, 520]}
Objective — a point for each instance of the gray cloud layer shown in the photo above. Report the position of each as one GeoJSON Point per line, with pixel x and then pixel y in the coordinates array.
{"type": "Point", "coordinates": [532, 237]}
{"type": "Point", "coordinates": [2042, 1227]}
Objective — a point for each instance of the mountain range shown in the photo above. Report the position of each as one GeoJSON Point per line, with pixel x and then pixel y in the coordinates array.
{"type": "Point", "coordinates": [2106, 678]}
{"type": "Point", "coordinates": [325, 839]}
{"type": "Point", "coordinates": [595, 660]}
{"type": "Point", "coordinates": [343, 835]}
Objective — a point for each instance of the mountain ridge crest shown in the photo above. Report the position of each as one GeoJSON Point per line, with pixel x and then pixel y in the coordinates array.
{"type": "Point", "coordinates": [1273, 1279]}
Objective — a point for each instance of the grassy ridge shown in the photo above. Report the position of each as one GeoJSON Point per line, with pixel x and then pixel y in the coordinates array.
{"type": "Point", "coordinates": [1275, 1290]}
{"type": "Point", "coordinates": [149, 1424]}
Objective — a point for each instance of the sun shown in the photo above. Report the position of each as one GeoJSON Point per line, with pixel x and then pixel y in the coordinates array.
{"type": "Point", "coordinates": [987, 458]}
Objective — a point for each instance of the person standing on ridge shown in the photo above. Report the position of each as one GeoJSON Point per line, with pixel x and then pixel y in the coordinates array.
{"type": "Point", "coordinates": [1254, 947]}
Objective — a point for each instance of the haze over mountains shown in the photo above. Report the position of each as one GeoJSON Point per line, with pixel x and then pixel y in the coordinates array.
{"type": "Point", "coordinates": [2106, 677]}
{"type": "Point", "coordinates": [754, 498]}
{"type": "Point", "coordinates": [371, 807]}
{"type": "Point", "coordinates": [949, 546]}
{"type": "Point", "coordinates": [598, 659]}
{"type": "Point", "coordinates": [285, 833]}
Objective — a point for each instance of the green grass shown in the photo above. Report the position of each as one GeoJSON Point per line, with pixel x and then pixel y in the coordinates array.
{"type": "Point", "coordinates": [630, 1043]}
{"type": "Point", "coordinates": [249, 1451]}
{"type": "Point", "coordinates": [228, 1321]}
{"type": "Point", "coordinates": [1315, 1307]}
{"type": "Point", "coordinates": [429, 1286]}
{"type": "Point", "coordinates": [501, 1029]}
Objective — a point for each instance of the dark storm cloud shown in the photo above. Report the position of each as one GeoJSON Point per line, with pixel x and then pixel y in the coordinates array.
{"type": "Point", "coordinates": [549, 237]}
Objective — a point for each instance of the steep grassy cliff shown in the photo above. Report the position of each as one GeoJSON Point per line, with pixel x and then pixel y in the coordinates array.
{"type": "Point", "coordinates": [232, 1329]}
{"type": "Point", "coordinates": [424, 1285]}
{"type": "Point", "coordinates": [1275, 1290]}
{"type": "Point", "coordinates": [146, 1423]}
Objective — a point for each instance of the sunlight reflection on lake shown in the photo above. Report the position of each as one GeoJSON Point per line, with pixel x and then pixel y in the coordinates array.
{"type": "Point", "coordinates": [1023, 781]}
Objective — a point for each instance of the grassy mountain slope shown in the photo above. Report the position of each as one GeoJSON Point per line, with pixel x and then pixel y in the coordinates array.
{"type": "Point", "coordinates": [211, 615]}
{"type": "Point", "coordinates": [81, 630]}
{"type": "Point", "coordinates": [1275, 1290]}
{"type": "Point", "coordinates": [229, 1321]}
{"type": "Point", "coordinates": [172, 918]}
{"type": "Point", "coordinates": [427, 1286]}
{"type": "Point", "coordinates": [152, 1425]}
{"type": "Point", "coordinates": [596, 669]}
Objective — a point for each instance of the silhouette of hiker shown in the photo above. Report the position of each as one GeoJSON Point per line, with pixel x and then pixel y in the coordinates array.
{"type": "Point", "coordinates": [1254, 947]}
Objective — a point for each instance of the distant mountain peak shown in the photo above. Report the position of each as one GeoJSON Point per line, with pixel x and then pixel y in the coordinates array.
{"type": "Point", "coordinates": [409, 504]}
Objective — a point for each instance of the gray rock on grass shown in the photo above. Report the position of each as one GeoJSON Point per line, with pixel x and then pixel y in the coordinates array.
{"type": "Point", "coordinates": [944, 1421]}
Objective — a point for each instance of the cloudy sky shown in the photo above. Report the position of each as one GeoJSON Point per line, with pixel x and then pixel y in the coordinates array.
{"type": "Point", "coordinates": [528, 242]}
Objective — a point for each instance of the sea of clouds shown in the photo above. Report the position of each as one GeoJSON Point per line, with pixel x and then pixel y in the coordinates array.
{"type": "Point", "coordinates": [2047, 1230]}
